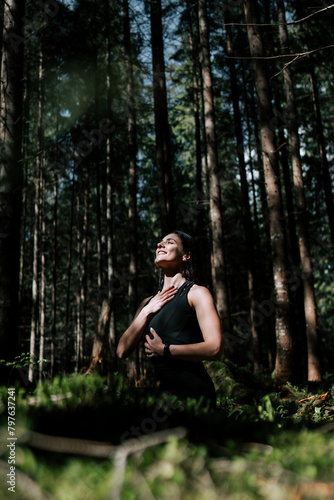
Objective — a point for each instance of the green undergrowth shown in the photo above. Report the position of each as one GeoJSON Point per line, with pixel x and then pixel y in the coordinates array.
{"type": "Point", "coordinates": [262, 440]}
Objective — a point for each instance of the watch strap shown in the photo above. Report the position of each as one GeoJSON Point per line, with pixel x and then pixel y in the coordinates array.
{"type": "Point", "coordinates": [166, 351]}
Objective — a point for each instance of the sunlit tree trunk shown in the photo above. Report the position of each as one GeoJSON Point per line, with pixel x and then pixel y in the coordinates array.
{"type": "Point", "coordinates": [99, 358]}
{"type": "Point", "coordinates": [11, 177]}
{"type": "Point", "coordinates": [42, 287]}
{"type": "Point", "coordinates": [37, 250]}
{"type": "Point", "coordinates": [34, 290]}
{"type": "Point", "coordinates": [313, 356]}
{"type": "Point", "coordinates": [216, 222]}
{"type": "Point", "coordinates": [284, 341]}
{"type": "Point", "coordinates": [260, 211]}
{"type": "Point", "coordinates": [163, 148]}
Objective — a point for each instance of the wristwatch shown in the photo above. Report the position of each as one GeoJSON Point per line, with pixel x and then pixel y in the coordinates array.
{"type": "Point", "coordinates": [166, 351]}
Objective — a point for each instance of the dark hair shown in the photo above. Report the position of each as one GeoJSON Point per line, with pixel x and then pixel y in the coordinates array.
{"type": "Point", "coordinates": [191, 268]}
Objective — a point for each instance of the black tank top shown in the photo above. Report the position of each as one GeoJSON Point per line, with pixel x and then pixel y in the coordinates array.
{"type": "Point", "coordinates": [176, 323]}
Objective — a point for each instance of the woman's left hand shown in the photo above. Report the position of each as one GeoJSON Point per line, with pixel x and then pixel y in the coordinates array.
{"type": "Point", "coordinates": [154, 346]}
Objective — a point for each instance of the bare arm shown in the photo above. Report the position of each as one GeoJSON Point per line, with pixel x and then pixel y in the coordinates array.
{"type": "Point", "coordinates": [131, 337]}
{"type": "Point", "coordinates": [211, 348]}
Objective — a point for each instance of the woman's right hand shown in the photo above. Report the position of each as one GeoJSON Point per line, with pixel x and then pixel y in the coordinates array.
{"type": "Point", "coordinates": [130, 338]}
{"type": "Point", "coordinates": [160, 299]}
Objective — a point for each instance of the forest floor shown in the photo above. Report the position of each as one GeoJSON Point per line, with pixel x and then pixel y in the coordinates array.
{"type": "Point", "coordinates": [91, 438]}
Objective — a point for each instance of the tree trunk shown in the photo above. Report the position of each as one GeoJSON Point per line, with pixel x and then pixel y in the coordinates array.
{"type": "Point", "coordinates": [110, 257]}
{"type": "Point", "coordinates": [35, 270]}
{"type": "Point", "coordinates": [99, 358]}
{"type": "Point", "coordinates": [324, 167]}
{"type": "Point", "coordinates": [217, 255]}
{"type": "Point", "coordinates": [284, 341]}
{"type": "Point", "coordinates": [82, 256]}
{"type": "Point", "coordinates": [163, 151]}
{"type": "Point", "coordinates": [264, 251]}
{"type": "Point", "coordinates": [96, 159]}
{"type": "Point", "coordinates": [42, 286]}
{"type": "Point", "coordinates": [38, 224]}
{"type": "Point", "coordinates": [68, 323]}
{"type": "Point", "coordinates": [196, 92]}
{"type": "Point", "coordinates": [2, 12]}
{"type": "Point", "coordinates": [247, 220]}
{"type": "Point", "coordinates": [11, 178]}
{"type": "Point", "coordinates": [313, 355]}
{"type": "Point", "coordinates": [54, 342]}
{"type": "Point", "coordinates": [25, 149]}
{"type": "Point", "coordinates": [109, 205]}
{"type": "Point", "coordinates": [133, 365]}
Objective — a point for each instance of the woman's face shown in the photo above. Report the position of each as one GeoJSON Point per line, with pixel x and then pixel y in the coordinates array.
{"type": "Point", "coordinates": [169, 251]}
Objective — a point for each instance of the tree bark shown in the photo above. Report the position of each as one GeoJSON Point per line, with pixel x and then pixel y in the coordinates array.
{"type": "Point", "coordinates": [284, 340]}
{"type": "Point", "coordinates": [163, 150]}
{"type": "Point", "coordinates": [42, 287]}
{"type": "Point", "coordinates": [247, 220]}
{"type": "Point", "coordinates": [38, 278]}
{"type": "Point", "coordinates": [54, 342]}
{"type": "Point", "coordinates": [324, 174]}
{"type": "Point", "coordinates": [110, 257]}
{"type": "Point", "coordinates": [313, 355]}
{"type": "Point", "coordinates": [192, 14]}
{"type": "Point", "coordinates": [109, 206]}
{"type": "Point", "coordinates": [133, 365]}
{"type": "Point", "coordinates": [11, 176]}
{"type": "Point", "coordinates": [35, 271]}
{"type": "Point", "coordinates": [68, 323]}
{"type": "Point", "coordinates": [100, 358]}
{"type": "Point", "coordinates": [216, 219]}
{"type": "Point", "coordinates": [83, 261]}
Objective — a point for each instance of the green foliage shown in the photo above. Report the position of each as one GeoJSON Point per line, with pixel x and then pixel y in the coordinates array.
{"type": "Point", "coordinates": [23, 359]}
{"type": "Point", "coordinates": [245, 448]}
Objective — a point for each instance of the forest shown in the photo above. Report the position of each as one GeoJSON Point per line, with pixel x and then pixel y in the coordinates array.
{"type": "Point", "coordinates": [122, 121]}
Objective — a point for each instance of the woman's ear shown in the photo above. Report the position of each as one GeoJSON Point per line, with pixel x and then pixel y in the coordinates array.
{"type": "Point", "coordinates": [187, 256]}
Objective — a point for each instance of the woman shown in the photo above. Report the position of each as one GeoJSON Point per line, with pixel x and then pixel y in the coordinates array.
{"type": "Point", "coordinates": [181, 324]}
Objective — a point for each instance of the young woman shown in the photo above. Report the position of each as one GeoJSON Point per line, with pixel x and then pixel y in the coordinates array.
{"type": "Point", "coordinates": [180, 322]}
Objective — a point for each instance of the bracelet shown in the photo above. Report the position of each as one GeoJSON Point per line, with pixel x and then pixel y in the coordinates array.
{"type": "Point", "coordinates": [166, 351]}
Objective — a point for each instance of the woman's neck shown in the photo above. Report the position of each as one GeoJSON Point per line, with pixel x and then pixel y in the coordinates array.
{"type": "Point", "coordinates": [176, 280]}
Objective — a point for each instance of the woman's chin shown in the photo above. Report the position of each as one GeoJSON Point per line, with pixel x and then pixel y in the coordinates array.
{"type": "Point", "coordinates": [159, 262]}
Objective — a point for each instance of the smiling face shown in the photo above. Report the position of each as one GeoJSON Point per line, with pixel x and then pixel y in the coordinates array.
{"type": "Point", "coordinates": [169, 252]}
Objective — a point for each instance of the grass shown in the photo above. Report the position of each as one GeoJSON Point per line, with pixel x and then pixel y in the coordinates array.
{"type": "Point", "coordinates": [263, 441]}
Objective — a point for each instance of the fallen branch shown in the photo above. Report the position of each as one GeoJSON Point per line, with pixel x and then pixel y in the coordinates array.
{"type": "Point", "coordinates": [60, 444]}
{"type": "Point", "coordinates": [320, 399]}
{"type": "Point", "coordinates": [133, 445]}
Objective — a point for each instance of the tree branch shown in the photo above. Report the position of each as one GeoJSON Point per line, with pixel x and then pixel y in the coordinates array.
{"type": "Point", "coordinates": [283, 24]}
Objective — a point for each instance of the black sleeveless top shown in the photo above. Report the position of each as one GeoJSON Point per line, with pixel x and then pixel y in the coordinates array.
{"type": "Point", "coordinates": [176, 323]}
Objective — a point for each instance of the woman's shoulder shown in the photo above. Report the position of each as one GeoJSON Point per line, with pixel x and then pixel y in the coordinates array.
{"type": "Point", "coordinates": [198, 293]}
